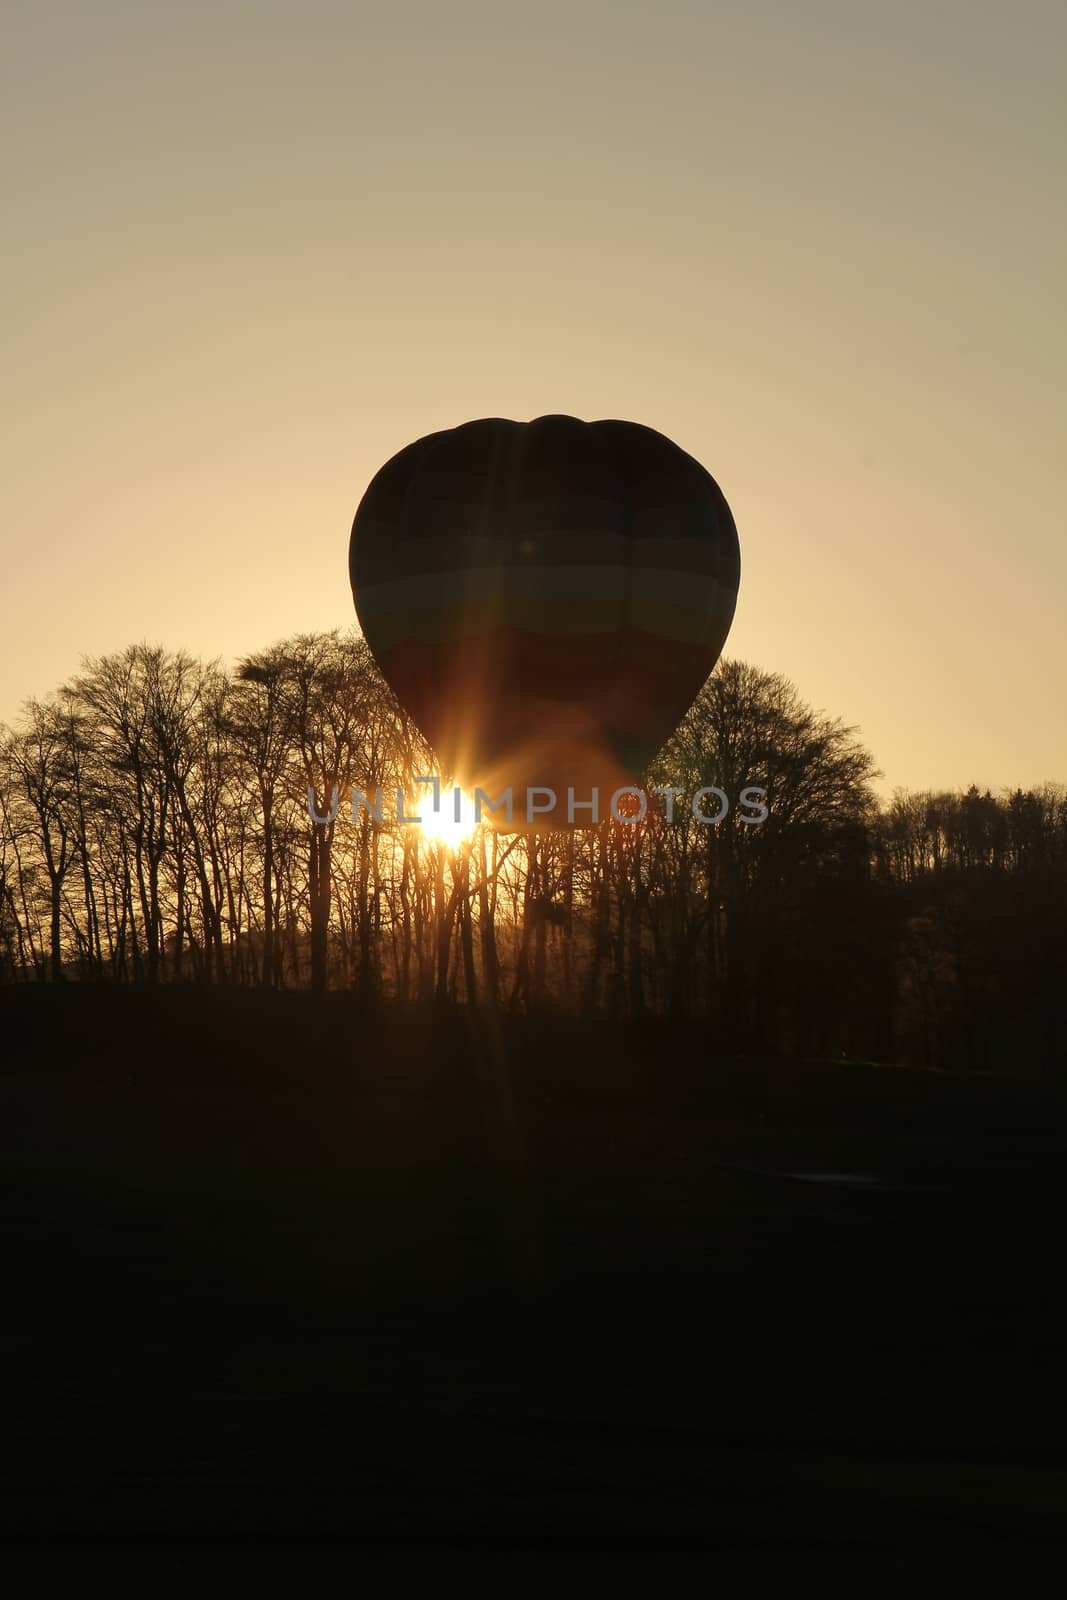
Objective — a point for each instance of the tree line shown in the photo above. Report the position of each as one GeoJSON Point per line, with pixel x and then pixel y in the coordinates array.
{"type": "Point", "coordinates": [154, 828]}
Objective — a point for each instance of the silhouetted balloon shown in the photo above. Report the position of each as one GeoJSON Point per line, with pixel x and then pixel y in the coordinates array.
{"type": "Point", "coordinates": [545, 598]}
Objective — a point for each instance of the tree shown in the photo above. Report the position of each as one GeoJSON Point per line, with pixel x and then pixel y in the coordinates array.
{"type": "Point", "coordinates": [40, 765]}
{"type": "Point", "coordinates": [744, 895]}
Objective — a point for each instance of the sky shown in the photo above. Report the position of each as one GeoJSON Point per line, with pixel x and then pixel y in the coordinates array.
{"type": "Point", "coordinates": [249, 251]}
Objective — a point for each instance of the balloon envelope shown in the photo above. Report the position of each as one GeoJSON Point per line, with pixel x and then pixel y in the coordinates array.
{"type": "Point", "coordinates": [545, 598]}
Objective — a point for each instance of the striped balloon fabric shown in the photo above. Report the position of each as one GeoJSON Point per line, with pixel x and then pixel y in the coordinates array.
{"type": "Point", "coordinates": [545, 598]}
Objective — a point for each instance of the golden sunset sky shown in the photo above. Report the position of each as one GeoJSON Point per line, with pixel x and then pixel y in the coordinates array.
{"type": "Point", "coordinates": [251, 250]}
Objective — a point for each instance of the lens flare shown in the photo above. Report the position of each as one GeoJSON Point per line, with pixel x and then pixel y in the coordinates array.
{"type": "Point", "coordinates": [452, 823]}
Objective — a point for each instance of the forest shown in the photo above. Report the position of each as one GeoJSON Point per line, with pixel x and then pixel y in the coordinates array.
{"type": "Point", "coordinates": [155, 829]}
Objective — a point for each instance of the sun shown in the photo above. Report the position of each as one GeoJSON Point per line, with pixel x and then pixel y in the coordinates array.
{"type": "Point", "coordinates": [453, 823]}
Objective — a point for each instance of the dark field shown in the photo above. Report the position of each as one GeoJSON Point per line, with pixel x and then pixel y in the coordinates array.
{"type": "Point", "coordinates": [287, 1281]}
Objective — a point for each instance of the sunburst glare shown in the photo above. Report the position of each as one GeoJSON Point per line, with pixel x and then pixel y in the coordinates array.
{"type": "Point", "coordinates": [452, 821]}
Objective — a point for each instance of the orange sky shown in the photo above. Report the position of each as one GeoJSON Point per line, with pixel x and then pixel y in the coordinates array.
{"type": "Point", "coordinates": [250, 250]}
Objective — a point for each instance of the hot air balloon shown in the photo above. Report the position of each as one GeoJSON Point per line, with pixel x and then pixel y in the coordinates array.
{"type": "Point", "coordinates": [545, 598]}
